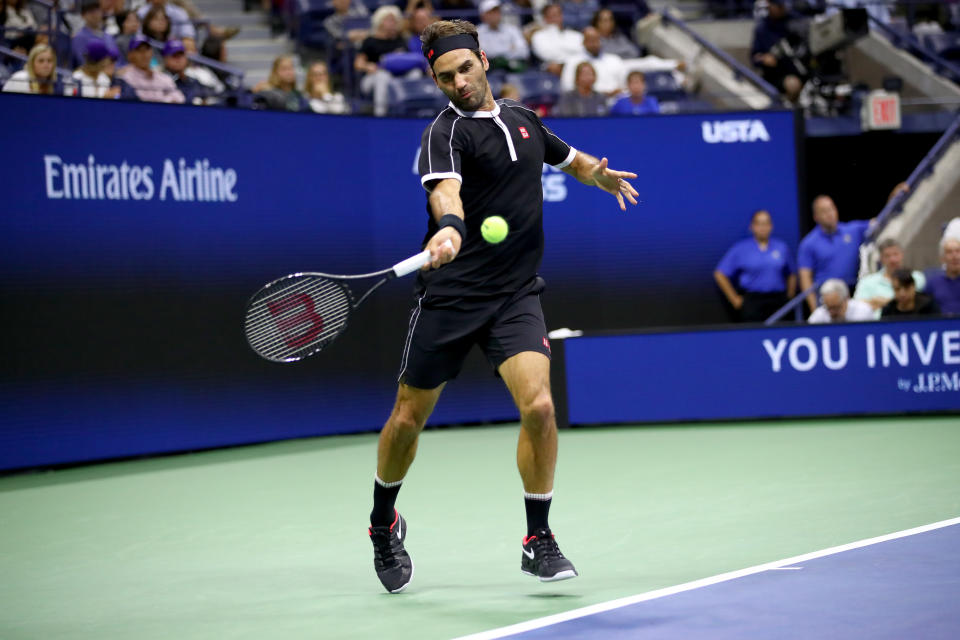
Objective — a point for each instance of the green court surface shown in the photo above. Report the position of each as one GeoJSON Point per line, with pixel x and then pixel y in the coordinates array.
{"type": "Point", "coordinates": [270, 541]}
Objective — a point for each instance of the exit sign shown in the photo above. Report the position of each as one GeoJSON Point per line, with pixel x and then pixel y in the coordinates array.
{"type": "Point", "coordinates": [881, 110]}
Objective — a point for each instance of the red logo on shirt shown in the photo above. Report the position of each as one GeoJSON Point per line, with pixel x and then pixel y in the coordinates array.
{"type": "Point", "coordinates": [546, 343]}
{"type": "Point", "coordinates": [523, 132]}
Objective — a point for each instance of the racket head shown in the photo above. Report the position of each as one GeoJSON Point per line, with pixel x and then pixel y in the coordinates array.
{"type": "Point", "coordinates": [296, 316]}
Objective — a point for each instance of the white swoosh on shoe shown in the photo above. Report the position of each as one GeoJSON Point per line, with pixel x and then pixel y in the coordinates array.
{"type": "Point", "coordinates": [529, 554]}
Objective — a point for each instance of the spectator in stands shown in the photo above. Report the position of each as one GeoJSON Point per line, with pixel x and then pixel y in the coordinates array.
{"type": "Point", "coordinates": [504, 44]}
{"type": "Point", "coordinates": [89, 81]}
{"type": "Point", "coordinates": [610, 70]}
{"type": "Point", "coordinates": [175, 63]}
{"type": "Point", "coordinates": [215, 49]}
{"type": "Point", "coordinates": [757, 275]}
{"type": "Point", "coordinates": [418, 19]}
{"type": "Point", "coordinates": [906, 301]}
{"type": "Point", "coordinates": [92, 29]}
{"type": "Point", "coordinates": [837, 305]}
{"type": "Point", "coordinates": [832, 249]}
{"type": "Point", "coordinates": [384, 40]}
{"type": "Point", "coordinates": [156, 25]}
{"type": "Point", "coordinates": [773, 42]}
{"type": "Point", "coordinates": [582, 100]}
{"type": "Point", "coordinates": [129, 27]}
{"type": "Point", "coordinates": [611, 38]}
{"type": "Point", "coordinates": [122, 90]}
{"type": "Point", "coordinates": [877, 288]}
{"type": "Point", "coordinates": [578, 13]}
{"type": "Point", "coordinates": [344, 10]}
{"type": "Point", "coordinates": [279, 91]}
{"type": "Point", "coordinates": [943, 283]}
{"type": "Point", "coordinates": [150, 85]}
{"type": "Point", "coordinates": [552, 43]}
{"type": "Point", "coordinates": [181, 28]}
{"type": "Point", "coordinates": [636, 102]}
{"type": "Point", "coordinates": [320, 94]}
{"type": "Point", "coordinates": [39, 74]}
{"type": "Point", "coordinates": [19, 19]}
{"type": "Point", "coordinates": [114, 14]}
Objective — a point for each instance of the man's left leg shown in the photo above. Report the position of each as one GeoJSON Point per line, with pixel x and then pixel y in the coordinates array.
{"type": "Point", "coordinates": [527, 376]}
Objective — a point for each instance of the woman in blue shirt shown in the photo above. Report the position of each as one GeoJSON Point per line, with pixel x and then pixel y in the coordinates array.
{"type": "Point", "coordinates": [757, 275]}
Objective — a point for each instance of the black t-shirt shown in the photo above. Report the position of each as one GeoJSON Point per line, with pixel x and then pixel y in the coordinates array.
{"type": "Point", "coordinates": [376, 48]}
{"type": "Point", "coordinates": [923, 305]}
{"type": "Point", "coordinates": [498, 157]}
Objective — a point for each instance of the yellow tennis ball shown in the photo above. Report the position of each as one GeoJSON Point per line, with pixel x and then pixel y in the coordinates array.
{"type": "Point", "coordinates": [494, 229]}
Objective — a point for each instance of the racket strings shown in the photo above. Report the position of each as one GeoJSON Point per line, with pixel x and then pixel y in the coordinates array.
{"type": "Point", "coordinates": [298, 318]}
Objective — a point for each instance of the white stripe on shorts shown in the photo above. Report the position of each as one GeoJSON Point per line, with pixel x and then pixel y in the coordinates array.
{"type": "Point", "coordinates": [406, 347]}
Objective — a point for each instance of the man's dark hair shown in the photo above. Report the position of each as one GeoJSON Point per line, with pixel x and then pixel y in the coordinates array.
{"type": "Point", "coordinates": [445, 28]}
{"type": "Point", "coordinates": [889, 242]}
{"type": "Point", "coordinates": [904, 277]}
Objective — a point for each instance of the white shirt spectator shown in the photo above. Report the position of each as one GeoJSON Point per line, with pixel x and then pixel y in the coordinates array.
{"type": "Point", "coordinates": [19, 82]}
{"type": "Point", "coordinates": [857, 311]}
{"type": "Point", "coordinates": [611, 72]}
{"type": "Point", "coordinates": [551, 44]}
{"type": "Point", "coordinates": [88, 87]}
{"type": "Point", "coordinates": [506, 41]}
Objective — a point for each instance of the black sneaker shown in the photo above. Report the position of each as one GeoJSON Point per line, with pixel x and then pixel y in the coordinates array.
{"type": "Point", "coordinates": [542, 558]}
{"type": "Point", "coordinates": [390, 559]}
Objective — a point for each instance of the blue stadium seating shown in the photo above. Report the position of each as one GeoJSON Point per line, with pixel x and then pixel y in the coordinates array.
{"type": "Point", "coordinates": [415, 97]}
{"type": "Point", "coordinates": [537, 87]}
{"type": "Point", "coordinates": [946, 45]}
{"type": "Point", "coordinates": [664, 87]}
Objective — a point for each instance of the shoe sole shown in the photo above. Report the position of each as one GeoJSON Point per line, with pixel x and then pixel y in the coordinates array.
{"type": "Point", "coordinates": [399, 589]}
{"type": "Point", "coordinates": [560, 575]}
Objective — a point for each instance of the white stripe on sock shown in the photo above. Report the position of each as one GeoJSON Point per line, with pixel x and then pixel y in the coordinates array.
{"type": "Point", "coordinates": [387, 485]}
{"type": "Point", "coordinates": [538, 496]}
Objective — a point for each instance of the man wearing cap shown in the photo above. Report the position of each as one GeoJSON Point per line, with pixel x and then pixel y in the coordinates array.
{"type": "Point", "coordinates": [92, 29]}
{"type": "Point", "coordinates": [504, 44]}
{"type": "Point", "coordinates": [175, 63]}
{"type": "Point", "coordinates": [150, 85]}
{"type": "Point", "coordinates": [89, 80]}
{"type": "Point", "coordinates": [480, 157]}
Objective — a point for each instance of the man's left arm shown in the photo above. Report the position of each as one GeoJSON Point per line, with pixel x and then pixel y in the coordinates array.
{"type": "Point", "coordinates": [592, 172]}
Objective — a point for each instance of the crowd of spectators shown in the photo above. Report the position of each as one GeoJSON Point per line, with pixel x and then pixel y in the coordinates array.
{"type": "Point", "coordinates": [758, 276]}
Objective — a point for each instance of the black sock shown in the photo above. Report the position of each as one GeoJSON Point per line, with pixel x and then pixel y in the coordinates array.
{"type": "Point", "coordinates": [384, 497]}
{"type": "Point", "coordinates": [538, 508]}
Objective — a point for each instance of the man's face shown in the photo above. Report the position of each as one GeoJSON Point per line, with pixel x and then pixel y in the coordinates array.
{"type": "Point", "coordinates": [140, 57]}
{"type": "Point", "coordinates": [825, 213]}
{"type": "Point", "coordinates": [836, 306]}
{"type": "Point", "coordinates": [591, 41]}
{"type": "Point", "coordinates": [891, 258]}
{"type": "Point", "coordinates": [462, 77]}
{"type": "Point", "coordinates": [420, 20]}
{"type": "Point", "coordinates": [637, 86]}
{"type": "Point", "coordinates": [951, 256]}
{"type": "Point", "coordinates": [904, 294]}
{"type": "Point", "coordinates": [492, 18]}
{"type": "Point", "coordinates": [553, 14]}
{"type": "Point", "coordinates": [175, 63]}
{"type": "Point", "coordinates": [761, 226]}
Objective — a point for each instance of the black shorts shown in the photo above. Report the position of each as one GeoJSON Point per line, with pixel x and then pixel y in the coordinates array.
{"type": "Point", "coordinates": [442, 332]}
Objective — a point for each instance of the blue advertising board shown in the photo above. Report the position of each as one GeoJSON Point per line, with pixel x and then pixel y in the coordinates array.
{"type": "Point", "coordinates": [781, 371]}
{"type": "Point", "coordinates": [132, 235]}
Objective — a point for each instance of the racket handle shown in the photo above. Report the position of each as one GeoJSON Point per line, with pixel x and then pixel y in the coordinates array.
{"type": "Point", "coordinates": [413, 263]}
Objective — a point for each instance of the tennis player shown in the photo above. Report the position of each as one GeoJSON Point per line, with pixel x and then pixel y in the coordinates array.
{"type": "Point", "coordinates": [480, 157]}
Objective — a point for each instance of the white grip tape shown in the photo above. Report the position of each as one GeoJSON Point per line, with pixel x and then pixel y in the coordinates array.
{"type": "Point", "coordinates": [413, 263]}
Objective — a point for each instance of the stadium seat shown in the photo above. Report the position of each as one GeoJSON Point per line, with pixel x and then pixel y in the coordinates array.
{"type": "Point", "coordinates": [415, 97]}
{"type": "Point", "coordinates": [664, 87]}
{"type": "Point", "coordinates": [946, 45]}
{"type": "Point", "coordinates": [537, 87]}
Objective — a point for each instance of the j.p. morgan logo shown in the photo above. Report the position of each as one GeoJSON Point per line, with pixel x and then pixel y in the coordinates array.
{"type": "Point", "coordinates": [734, 131]}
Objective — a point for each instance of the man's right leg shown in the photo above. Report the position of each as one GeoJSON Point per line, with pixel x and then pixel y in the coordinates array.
{"type": "Point", "coordinates": [395, 452]}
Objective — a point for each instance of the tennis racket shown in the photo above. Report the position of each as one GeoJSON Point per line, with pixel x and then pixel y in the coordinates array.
{"type": "Point", "coordinates": [300, 314]}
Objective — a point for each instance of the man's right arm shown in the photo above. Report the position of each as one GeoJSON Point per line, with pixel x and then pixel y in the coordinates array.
{"type": "Point", "coordinates": [444, 200]}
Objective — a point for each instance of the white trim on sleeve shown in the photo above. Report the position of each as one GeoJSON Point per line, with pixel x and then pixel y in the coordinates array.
{"type": "Point", "coordinates": [440, 176]}
{"type": "Point", "coordinates": [567, 160]}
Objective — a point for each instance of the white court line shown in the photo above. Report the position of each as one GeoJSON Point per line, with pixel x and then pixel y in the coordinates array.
{"type": "Point", "coordinates": [539, 623]}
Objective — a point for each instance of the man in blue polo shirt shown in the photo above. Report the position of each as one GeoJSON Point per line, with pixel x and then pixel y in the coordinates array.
{"type": "Point", "coordinates": [831, 250]}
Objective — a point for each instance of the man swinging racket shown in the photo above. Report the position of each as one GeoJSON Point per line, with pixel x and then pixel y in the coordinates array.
{"type": "Point", "coordinates": [480, 158]}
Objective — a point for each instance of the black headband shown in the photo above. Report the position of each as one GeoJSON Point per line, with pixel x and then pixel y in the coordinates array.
{"type": "Point", "coordinates": [449, 43]}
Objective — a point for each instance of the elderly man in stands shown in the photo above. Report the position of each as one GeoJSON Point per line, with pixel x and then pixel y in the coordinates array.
{"type": "Point", "coordinates": [504, 44]}
{"type": "Point", "coordinates": [181, 27]}
{"type": "Point", "coordinates": [554, 44]}
{"type": "Point", "coordinates": [92, 29]}
{"type": "Point", "coordinates": [150, 85]}
{"type": "Point", "coordinates": [837, 305]}
{"type": "Point", "coordinates": [944, 283]}
{"type": "Point", "coordinates": [832, 249]}
{"type": "Point", "coordinates": [611, 72]}
{"type": "Point", "coordinates": [877, 288]}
